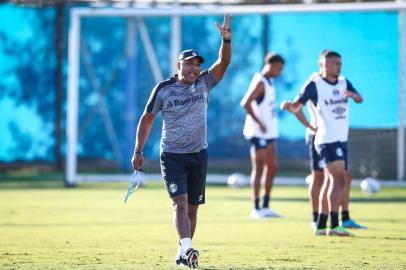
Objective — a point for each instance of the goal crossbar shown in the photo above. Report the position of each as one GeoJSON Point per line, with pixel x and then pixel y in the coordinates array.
{"type": "Point", "coordinates": [204, 10]}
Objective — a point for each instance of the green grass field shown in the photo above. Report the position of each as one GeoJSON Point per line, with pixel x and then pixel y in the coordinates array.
{"type": "Point", "coordinates": [45, 226]}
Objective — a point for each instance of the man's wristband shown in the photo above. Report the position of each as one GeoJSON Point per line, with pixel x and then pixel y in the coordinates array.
{"type": "Point", "coordinates": [226, 40]}
{"type": "Point", "coordinates": [138, 152]}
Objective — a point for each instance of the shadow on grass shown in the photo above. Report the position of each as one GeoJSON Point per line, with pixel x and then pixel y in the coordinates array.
{"type": "Point", "coordinates": [239, 267]}
{"type": "Point", "coordinates": [130, 223]}
{"type": "Point", "coordinates": [379, 200]}
{"type": "Point", "coordinates": [59, 184]}
{"type": "Point", "coordinates": [383, 238]}
{"type": "Point", "coordinates": [396, 199]}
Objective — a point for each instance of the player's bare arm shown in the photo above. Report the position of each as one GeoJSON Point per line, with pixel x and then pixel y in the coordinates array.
{"type": "Point", "coordinates": [293, 107]}
{"type": "Point", "coordinates": [220, 66]}
{"type": "Point", "coordinates": [355, 96]}
{"type": "Point", "coordinates": [302, 118]}
{"type": "Point", "coordinates": [143, 130]}
{"type": "Point", "coordinates": [251, 96]}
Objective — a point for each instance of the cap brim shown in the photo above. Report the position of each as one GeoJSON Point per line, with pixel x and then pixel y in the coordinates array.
{"type": "Point", "coordinates": [196, 56]}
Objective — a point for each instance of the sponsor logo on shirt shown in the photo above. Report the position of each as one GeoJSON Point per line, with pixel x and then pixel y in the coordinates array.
{"type": "Point", "coordinates": [181, 102]}
{"type": "Point", "coordinates": [339, 111]}
{"type": "Point", "coordinates": [335, 101]}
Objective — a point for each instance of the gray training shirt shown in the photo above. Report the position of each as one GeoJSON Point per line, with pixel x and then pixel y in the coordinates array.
{"type": "Point", "coordinates": [184, 112]}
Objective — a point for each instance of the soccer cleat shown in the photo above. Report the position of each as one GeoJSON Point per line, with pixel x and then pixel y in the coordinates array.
{"type": "Point", "coordinates": [192, 258]}
{"type": "Point", "coordinates": [339, 231]}
{"type": "Point", "coordinates": [181, 261]}
{"type": "Point", "coordinates": [269, 213]}
{"type": "Point", "coordinates": [351, 224]}
{"type": "Point", "coordinates": [320, 232]}
{"type": "Point", "coordinates": [256, 214]}
{"type": "Point", "coordinates": [313, 225]}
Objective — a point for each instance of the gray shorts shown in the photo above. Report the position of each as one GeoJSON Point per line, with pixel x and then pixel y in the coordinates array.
{"type": "Point", "coordinates": [185, 174]}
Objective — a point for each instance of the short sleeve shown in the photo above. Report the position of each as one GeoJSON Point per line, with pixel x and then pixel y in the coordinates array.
{"type": "Point", "coordinates": [350, 87]}
{"type": "Point", "coordinates": [154, 104]}
{"type": "Point", "coordinates": [308, 92]}
{"type": "Point", "coordinates": [208, 77]}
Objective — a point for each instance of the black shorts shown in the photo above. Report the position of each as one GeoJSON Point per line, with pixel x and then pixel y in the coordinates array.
{"type": "Point", "coordinates": [334, 151]}
{"type": "Point", "coordinates": [259, 143]}
{"type": "Point", "coordinates": [316, 162]}
{"type": "Point", "coordinates": [185, 174]}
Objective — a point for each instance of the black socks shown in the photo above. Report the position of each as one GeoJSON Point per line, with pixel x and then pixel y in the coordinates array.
{"type": "Point", "coordinates": [265, 203]}
{"type": "Point", "coordinates": [256, 204]}
{"type": "Point", "coordinates": [334, 219]}
{"type": "Point", "coordinates": [345, 215]}
{"type": "Point", "coordinates": [315, 216]}
{"type": "Point", "coordinates": [322, 221]}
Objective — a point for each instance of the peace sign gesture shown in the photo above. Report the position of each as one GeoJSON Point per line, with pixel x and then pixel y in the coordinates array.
{"type": "Point", "coordinates": [219, 67]}
{"type": "Point", "coordinates": [225, 29]}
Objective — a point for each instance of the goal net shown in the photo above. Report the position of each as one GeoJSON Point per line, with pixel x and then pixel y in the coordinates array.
{"type": "Point", "coordinates": [116, 56]}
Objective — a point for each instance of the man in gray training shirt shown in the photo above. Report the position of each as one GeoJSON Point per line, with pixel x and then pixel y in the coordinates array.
{"type": "Point", "coordinates": [183, 100]}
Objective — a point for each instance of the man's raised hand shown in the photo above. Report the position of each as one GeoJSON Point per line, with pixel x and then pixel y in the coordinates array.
{"type": "Point", "coordinates": [225, 29]}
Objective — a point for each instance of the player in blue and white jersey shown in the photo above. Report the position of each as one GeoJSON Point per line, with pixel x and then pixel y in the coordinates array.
{"type": "Point", "coordinates": [261, 129]}
{"type": "Point", "coordinates": [329, 94]}
{"type": "Point", "coordinates": [316, 187]}
{"type": "Point", "coordinates": [183, 101]}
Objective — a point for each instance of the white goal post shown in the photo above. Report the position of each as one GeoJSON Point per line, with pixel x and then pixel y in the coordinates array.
{"type": "Point", "coordinates": [175, 12]}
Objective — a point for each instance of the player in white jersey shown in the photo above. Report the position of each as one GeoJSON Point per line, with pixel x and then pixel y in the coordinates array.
{"type": "Point", "coordinates": [183, 101]}
{"type": "Point", "coordinates": [329, 93]}
{"type": "Point", "coordinates": [316, 188]}
{"type": "Point", "coordinates": [261, 129]}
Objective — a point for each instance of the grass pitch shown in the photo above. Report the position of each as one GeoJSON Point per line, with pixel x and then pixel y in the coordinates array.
{"type": "Point", "coordinates": [90, 227]}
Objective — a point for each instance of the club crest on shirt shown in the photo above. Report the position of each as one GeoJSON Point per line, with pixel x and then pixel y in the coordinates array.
{"type": "Point", "coordinates": [192, 88]}
{"type": "Point", "coordinates": [336, 92]}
